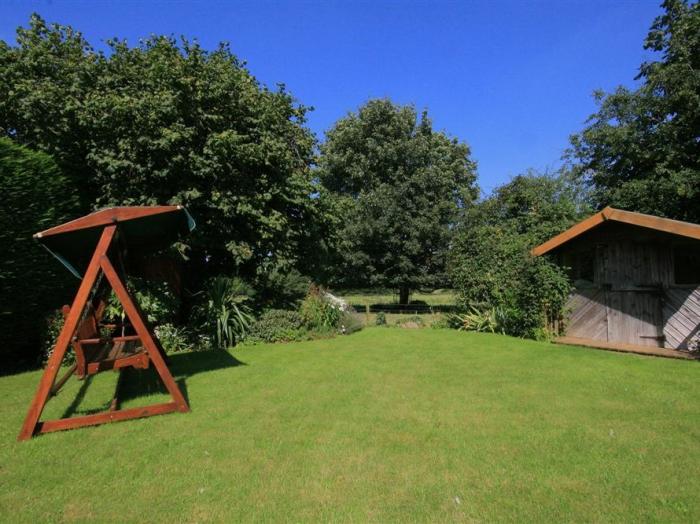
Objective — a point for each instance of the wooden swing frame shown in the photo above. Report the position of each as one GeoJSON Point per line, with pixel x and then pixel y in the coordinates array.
{"type": "Point", "coordinates": [152, 351]}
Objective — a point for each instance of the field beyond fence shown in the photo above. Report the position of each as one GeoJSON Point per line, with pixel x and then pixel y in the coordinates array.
{"type": "Point", "coordinates": [386, 301]}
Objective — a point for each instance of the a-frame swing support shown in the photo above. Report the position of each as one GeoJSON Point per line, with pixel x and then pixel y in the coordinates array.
{"type": "Point", "coordinates": [100, 262]}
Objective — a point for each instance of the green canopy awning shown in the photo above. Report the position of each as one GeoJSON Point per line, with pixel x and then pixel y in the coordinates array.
{"type": "Point", "coordinates": [142, 230]}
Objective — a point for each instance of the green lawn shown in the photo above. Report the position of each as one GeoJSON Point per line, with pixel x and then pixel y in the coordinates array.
{"type": "Point", "coordinates": [388, 424]}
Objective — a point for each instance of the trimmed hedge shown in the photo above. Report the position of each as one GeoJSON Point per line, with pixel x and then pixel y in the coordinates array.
{"type": "Point", "coordinates": [36, 196]}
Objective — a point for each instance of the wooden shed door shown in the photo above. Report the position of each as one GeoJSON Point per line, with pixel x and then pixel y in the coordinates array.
{"type": "Point", "coordinates": [630, 317]}
{"type": "Point", "coordinates": [588, 314]}
{"type": "Point", "coordinates": [635, 317]}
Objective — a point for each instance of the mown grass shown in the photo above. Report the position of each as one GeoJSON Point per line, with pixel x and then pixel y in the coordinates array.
{"type": "Point", "coordinates": [384, 425]}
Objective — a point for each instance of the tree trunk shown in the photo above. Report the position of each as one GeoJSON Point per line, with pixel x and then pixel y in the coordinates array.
{"type": "Point", "coordinates": [403, 295]}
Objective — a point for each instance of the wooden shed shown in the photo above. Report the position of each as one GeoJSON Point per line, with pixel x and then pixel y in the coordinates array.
{"type": "Point", "coordinates": [636, 281]}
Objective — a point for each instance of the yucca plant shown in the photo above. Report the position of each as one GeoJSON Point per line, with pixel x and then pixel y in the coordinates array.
{"type": "Point", "coordinates": [491, 320]}
{"type": "Point", "coordinates": [224, 310]}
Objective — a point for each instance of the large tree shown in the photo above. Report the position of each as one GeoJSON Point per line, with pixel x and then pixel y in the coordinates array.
{"type": "Point", "coordinates": [641, 149]}
{"type": "Point", "coordinates": [395, 186]}
{"type": "Point", "coordinates": [167, 122]}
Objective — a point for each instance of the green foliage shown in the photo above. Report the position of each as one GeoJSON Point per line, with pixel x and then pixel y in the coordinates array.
{"type": "Point", "coordinates": [541, 295]}
{"type": "Point", "coordinates": [155, 298]}
{"type": "Point", "coordinates": [281, 289]}
{"type": "Point", "coordinates": [223, 311]}
{"type": "Point", "coordinates": [317, 313]}
{"type": "Point", "coordinates": [640, 150]}
{"type": "Point", "coordinates": [537, 206]}
{"type": "Point", "coordinates": [490, 263]}
{"type": "Point", "coordinates": [277, 325]}
{"type": "Point", "coordinates": [174, 339]}
{"type": "Point", "coordinates": [35, 196]}
{"type": "Point", "coordinates": [53, 323]}
{"type": "Point", "coordinates": [167, 122]}
{"type": "Point", "coordinates": [380, 320]}
{"type": "Point", "coordinates": [393, 187]}
{"type": "Point", "coordinates": [491, 320]}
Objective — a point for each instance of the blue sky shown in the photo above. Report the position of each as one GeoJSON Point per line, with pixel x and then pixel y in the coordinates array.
{"type": "Point", "coordinates": [511, 78]}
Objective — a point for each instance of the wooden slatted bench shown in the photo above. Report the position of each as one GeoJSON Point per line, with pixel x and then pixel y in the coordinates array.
{"type": "Point", "coordinates": [95, 353]}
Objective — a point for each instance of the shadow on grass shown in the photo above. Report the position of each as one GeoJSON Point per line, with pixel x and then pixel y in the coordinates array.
{"type": "Point", "coordinates": [183, 365]}
{"type": "Point", "coordinates": [137, 383]}
{"type": "Point", "coordinates": [145, 382]}
{"type": "Point", "coordinates": [74, 407]}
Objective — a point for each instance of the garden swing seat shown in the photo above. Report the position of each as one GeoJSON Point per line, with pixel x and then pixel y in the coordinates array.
{"type": "Point", "coordinates": [89, 247]}
{"type": "Point", "coordinates": [95, 352]}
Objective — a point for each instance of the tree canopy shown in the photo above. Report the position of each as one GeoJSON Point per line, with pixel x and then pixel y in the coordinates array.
{"type": "Point", "coordinates": [394, 186]}
{"type": "Point", "coordinates": [641, 149]}
{"type": "Point", "coordinates": [167, 122]}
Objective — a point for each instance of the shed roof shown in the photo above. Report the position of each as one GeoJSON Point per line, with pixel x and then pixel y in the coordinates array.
{"type": "Point", "coordinates": [610, 214]}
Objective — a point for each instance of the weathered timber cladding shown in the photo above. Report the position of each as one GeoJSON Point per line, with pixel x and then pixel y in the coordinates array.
{"type": "Point", "coordinates": [630, 294]}
{"type": "Point", "coordinates": [681, 317]}
{"type": "Point", "coordinates": [588, 318]}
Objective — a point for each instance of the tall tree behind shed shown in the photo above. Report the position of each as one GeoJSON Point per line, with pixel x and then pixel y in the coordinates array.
{"type": "Point", "coordinates": [641, 150]}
